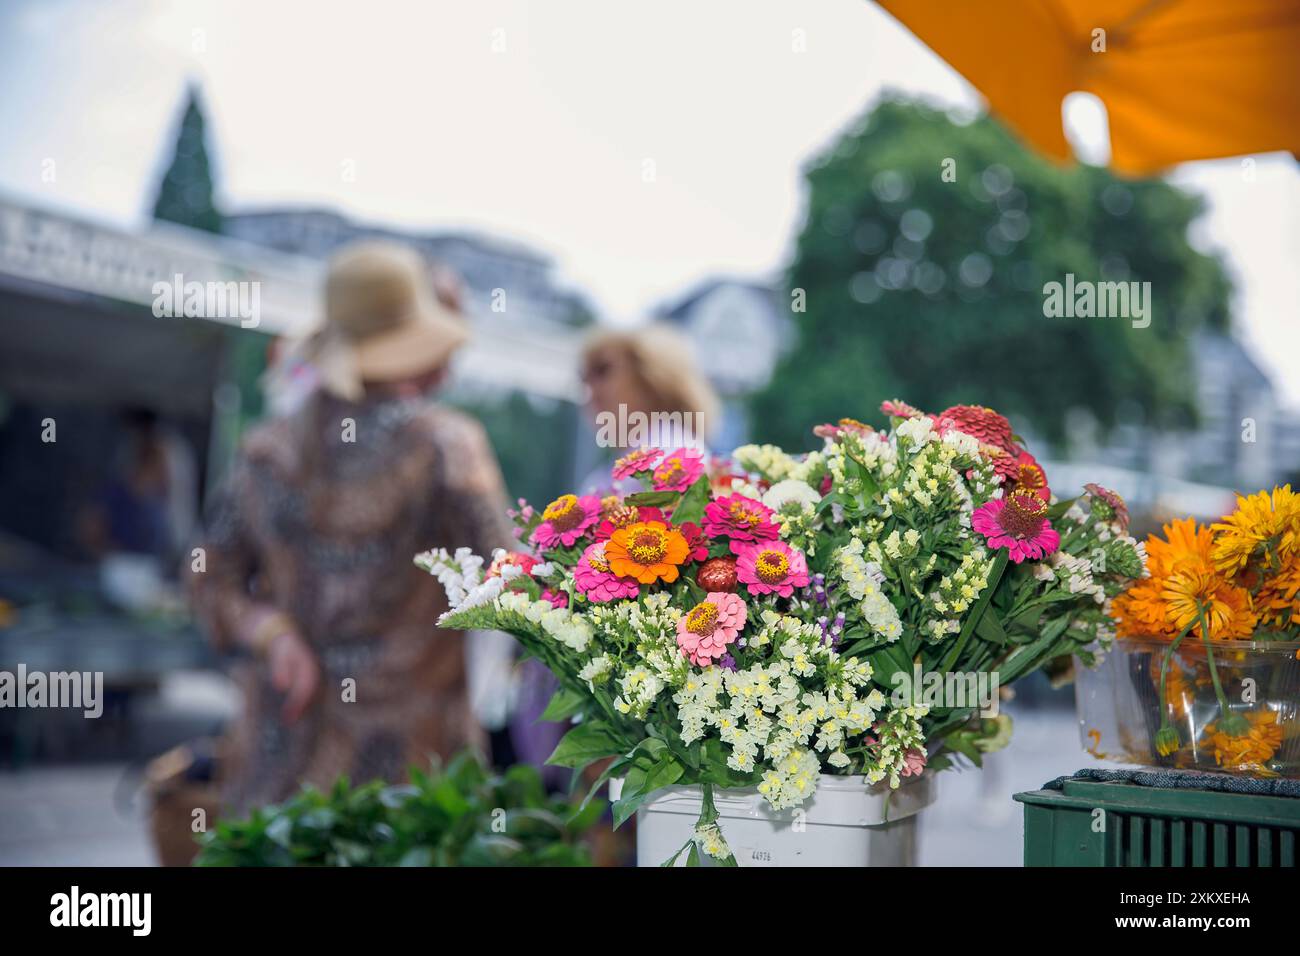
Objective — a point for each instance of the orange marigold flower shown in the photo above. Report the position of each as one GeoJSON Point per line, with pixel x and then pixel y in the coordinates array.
{"type": "Point", "coordinates": [1185, 544]}
{"type": "Point", "coordinates": [1278, 599]}
{"type": "Point", "coordinates": [1264, 525]}
{"type": "Point", "coordinates": [648, 551]}
{"type": "Point", "coordinates": [1140, 611]}
{"type": "Point", "coordinates": [1249, 751]}
{"type": "Point", "coordinates": [1227, 608]}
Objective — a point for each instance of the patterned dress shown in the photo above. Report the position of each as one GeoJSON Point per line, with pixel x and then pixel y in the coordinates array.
{"type": "Point", "coordinates": [320, 518]}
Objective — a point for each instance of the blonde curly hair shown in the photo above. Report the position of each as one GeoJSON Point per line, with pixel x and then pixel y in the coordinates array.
{"type": "Point", "coordinates": [662, 360]}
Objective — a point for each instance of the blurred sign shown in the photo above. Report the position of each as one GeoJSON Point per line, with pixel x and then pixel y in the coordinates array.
{"type": "Point", "coordinates": [73, 254]}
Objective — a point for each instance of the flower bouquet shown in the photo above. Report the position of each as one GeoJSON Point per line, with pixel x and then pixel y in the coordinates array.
{"type": "Point", "coordinates": [758, 622]}
{"type": "Point", "coordinates": [1206, 673]}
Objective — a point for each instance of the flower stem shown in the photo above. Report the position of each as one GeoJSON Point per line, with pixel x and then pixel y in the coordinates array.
{"type": "Point", "coordinates": [1164, 673]}
{"type": "Point", "coordinates": [1232, 724]}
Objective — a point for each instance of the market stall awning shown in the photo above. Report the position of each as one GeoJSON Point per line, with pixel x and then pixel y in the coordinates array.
{"type": "Point", "coordinates": [1181, 79]}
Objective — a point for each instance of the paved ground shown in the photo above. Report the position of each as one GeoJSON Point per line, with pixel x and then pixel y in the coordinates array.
{"type": "Point", "coordinates": [975, 822]}
{"type": "Point", "coordinates": [91, 814]}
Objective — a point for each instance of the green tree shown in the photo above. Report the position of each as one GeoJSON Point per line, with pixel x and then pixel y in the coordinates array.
{"type": "Point", "coordinates": [185, 194]}
{"type": "Point", "coordinates": [923, 262]}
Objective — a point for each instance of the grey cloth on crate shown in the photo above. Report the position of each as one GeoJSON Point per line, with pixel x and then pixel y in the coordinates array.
{"type": "Point", "coordinates": [1184, 780]}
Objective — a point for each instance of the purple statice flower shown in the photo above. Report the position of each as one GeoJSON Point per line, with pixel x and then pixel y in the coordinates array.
{"type": "Point", "coordinates": [727, 662]}
{"type": "Point", "coordinates": [833, 633]}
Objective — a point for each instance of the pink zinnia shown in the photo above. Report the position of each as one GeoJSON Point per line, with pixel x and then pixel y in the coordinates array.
{"type": "Point", "coordinates": [643, 459]}
{"type": "Point", "coordinates": [1019, 524]}
{"type": "Point", "coordinates": [739, 518]}
{"type": "Point", "coordinates": [993, 432]}
{"type": "Point", "coordinates": [897, 408]}
{"type": "Point", "coordinates": [678, 470]}
{"type": "Point", "coordinates": [770, 567]}
{"type": "Point", "coordinates": [593, 577]}
{"type": "Point", "coordinates": [844, 426]}
{"type": "Point", "coordinates": [1029, 476]}
{"type": "Point", "coordinates": [696, 540]}
{"type": "Point", "coordinates": [979, 422]}
{"type": "Point", "coordinates": [565, 520]}
{"type": "Point", "coordinates": [705, 631]}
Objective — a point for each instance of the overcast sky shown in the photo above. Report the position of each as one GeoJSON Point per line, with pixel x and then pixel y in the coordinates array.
{"type": "Point", "coordinates": [532, 121]}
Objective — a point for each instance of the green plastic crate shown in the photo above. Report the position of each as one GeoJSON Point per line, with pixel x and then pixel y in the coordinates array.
{"type": "Point", "coordinates": [1147, 826]}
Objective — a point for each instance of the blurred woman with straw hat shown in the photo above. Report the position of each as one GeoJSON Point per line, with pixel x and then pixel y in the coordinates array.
{"type": "Point", "coordinates": [307, 560]}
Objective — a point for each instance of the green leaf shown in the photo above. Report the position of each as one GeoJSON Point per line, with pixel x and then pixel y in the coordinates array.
{"type": "Point", "coordinates": [1060, 508]}
{"type": "Point", "coordinates": [691, 507]}
{"type": "Point", "coordinates": [639, 786]}
{"type": "Point", "coordinates": [589, 741]}
{"type": "Point", "coordinates": [995, 579]}
{"type": "Point", "coordinates": [651, 499]}
{"type": "Point", "coordinates": [564, 704]}
{"type": "Point", "coordinates": [990, 628]}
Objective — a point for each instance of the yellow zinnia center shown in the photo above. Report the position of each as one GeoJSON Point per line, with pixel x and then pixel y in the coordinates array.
{"type": "Point", "coordinates": [563, 513]}
{"type": "Point", "coordinates": [742, 515]}
{"type": "Point", "coordinates": [671, 470]}
{"type": "Point", "coordinates": [648, 547]}
{"type": "Point", "coordinates": [771, 567]}
{"type": "Point", "coordinates": [596, 561]}
{"type": "Point", "coordinates": [703, 618]}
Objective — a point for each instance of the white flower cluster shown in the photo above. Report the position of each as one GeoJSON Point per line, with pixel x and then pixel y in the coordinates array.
{"type": "Point", "coordinates": [1076, 574]}
{"type": "Point", "coordinates": [767, 460]}
{"type": "Point", "coordinates": [917, 431]}
{"type": "Point", "coordinates": [766, 713]}
{"type": "Point", "coordinates": [640, 686]}
{"type": "Point", "coordinates": [708, 837]}
{"type": "Point", "coordinates": [596, 670]}
{"type": "Point", "coordinates": [461, 575]}
{"type": "Point", "coordinates": [958, 591]}
{"type": "Point", "coordinates": [652, 624]}
{"type": "Point", "coordinates": [793, 494]}
{"type": "Point", "coordinates": [570, 629]}
{"type": "Point", "coordinates": [899, 732]}
{"type": "Point", "coordinates": [864, 581]}
{"type": "Point", "coordinates": [874, 450]}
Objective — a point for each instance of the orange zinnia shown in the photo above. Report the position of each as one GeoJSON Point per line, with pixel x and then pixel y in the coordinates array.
{"type": "Point", "coordinates": [647, 551]}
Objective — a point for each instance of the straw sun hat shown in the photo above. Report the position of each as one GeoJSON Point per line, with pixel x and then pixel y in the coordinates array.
{"type": "Point", "coordinates": [382, 320]}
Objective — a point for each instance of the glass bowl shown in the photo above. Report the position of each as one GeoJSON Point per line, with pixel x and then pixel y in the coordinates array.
{"type": "Point", "coordinates": [1124, 716]}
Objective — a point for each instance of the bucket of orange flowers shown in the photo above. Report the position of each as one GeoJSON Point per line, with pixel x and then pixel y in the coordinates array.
{"type": "Point", "coordinates": [1204, 672]}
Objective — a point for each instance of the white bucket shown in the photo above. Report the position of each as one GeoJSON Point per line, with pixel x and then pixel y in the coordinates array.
{"type": "Point", "coordinates": [844, 824]}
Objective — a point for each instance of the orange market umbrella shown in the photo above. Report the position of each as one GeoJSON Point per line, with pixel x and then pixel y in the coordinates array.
{"type": "Point", "coordinates": [1181, 79]}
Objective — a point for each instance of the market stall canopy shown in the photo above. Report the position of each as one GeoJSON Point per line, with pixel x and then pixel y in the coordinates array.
{"type": "Point", "coordinates": [79, 323]}
{"type": "Point", "coordinates": [1181, 79]}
